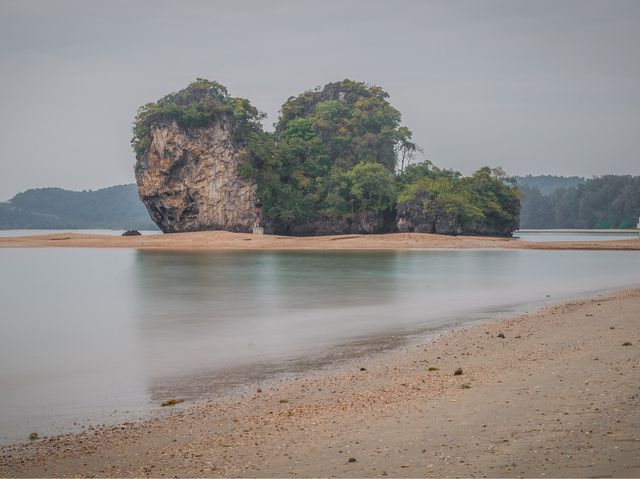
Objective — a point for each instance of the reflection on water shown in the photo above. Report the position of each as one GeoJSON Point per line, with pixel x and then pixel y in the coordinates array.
{"type": "Point", "coordinates": [246, 305]}
{"type": "Point", "coordinates": [99, 334]}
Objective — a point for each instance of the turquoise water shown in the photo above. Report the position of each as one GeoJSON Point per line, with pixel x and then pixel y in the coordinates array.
{"type": "Point", "coordinates": [102, 335]}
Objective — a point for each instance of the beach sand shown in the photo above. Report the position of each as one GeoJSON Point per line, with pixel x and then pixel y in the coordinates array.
{"type": "Point", "coordinates": [559, 395]}
{"type": "Point", "coordinates": [223, 240]}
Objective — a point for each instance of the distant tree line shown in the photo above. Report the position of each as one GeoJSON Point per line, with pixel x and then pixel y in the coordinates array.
{"type": "Point", "coordinates": [547, 184]}
{"type": "Point", "coordinates": [605, 202]}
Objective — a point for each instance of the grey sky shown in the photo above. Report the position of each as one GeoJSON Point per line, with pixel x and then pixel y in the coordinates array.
{"type": "Point", "coordinates": [534, 86]}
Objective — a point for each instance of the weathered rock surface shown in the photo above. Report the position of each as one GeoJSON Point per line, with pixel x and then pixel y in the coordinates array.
{"type": "Point", "coordinates": [189, 180]}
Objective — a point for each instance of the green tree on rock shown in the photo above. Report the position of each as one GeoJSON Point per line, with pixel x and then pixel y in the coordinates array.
{"type": "Point", "coordinates": [324, 140]}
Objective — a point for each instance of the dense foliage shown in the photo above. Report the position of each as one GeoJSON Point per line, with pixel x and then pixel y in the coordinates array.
{"type": "Point", "coordinates": [605, 202]}
{"type": "Point", "coordinates": [116, 207]}
{"type": "Point", "coordinates": [200, 104]}
{"type": "Point", "coordinates": [329, 166]}
{"type": "Point", "coordinates": [433, 200]}
{"type": "Point", "coordinates": [547, 184]}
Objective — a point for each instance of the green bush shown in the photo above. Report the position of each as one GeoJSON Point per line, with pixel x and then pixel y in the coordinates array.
{"type": "Point", "coordinates": [199, 105]}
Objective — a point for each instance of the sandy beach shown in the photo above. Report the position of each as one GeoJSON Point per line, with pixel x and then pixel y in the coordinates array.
{"type": "Point", "coordinates": [223, 240]}
{"type": "Point", "coordinates": [550, 393]}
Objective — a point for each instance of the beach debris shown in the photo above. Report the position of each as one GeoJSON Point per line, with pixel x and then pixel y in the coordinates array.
{"type": "Point", "coordinates": [501, 335]}
{"type": "Point", "coordinates": [626, 343]}
{"type": "Point", "coordinates": [283, 401]}
{"type": "Point", "coordinates": [518, 337]}
{"type": "Point", "coordinates": [33, 436]}
{"type": "Point", "coordinates": [458, 372]}
{"type": "Point", "coordinates": [363, 369]}
{"type": "Point", "coordinates": [352, 459]}
{"type": "Point", "coordinates": [433, 368]}
{"type": "Point", "coordinates": [612, 327]}
{"type": "Point", "coordinates": [259, 390]}
{"type": "Point", "coordinates": [171, 402]}
{"type": "Point", "coordinates": [465, 386]}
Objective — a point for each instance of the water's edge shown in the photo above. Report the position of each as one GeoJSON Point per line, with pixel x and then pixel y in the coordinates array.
{"type": "Point", "coordinates": [334, 360]}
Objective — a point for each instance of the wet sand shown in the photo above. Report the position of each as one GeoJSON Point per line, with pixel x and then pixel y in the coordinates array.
{"type": "Point", "coordinates": [558, 395]}
{"type": "Point", "coordinates": [223, 240]}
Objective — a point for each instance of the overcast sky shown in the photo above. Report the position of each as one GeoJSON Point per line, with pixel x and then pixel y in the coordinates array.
{"type": "Point", "coordinates": [541, 87]}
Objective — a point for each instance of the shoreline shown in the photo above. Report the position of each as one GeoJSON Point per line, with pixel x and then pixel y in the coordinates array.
{"type": "Point", "coordinates": [579, 230]}
{"type": "Point", "coordinates": [223, 240]}
{"type": "Point", "coordinates": [567, 360]}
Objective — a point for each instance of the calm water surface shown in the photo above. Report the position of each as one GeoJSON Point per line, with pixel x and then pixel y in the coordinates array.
{"type": "Point", "coordinates": [11, 233]}
{"type": "Point", "coordinates": [548, 236]}
{"type": "Point", "coordinates": [95, 335]}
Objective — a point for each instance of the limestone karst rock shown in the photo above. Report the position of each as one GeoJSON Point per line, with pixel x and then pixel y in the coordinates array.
{"type": "Point", "coordinates": [189, 180]}
{"type": "Point", "coordinates": [190, 149]}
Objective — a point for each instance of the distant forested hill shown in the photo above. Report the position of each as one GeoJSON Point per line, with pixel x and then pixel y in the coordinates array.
{"type": "Point", "coordinates": [547, 184]}
{"type": "Point", "coordinates": [116, 207]}
{"type": "Point", "coordinates": [605, 202]}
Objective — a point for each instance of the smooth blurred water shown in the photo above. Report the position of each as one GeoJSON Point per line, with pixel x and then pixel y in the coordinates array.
{"type": "Point", "coordinates": [12, 233]}
{"type": "Point", "coordinates": [92, 335]}
{"type": "Point", "coordinates": [549, 236]}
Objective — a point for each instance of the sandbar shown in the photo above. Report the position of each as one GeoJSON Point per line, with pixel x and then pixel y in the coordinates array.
{"type": "Point", "coordinates": [223, 240]}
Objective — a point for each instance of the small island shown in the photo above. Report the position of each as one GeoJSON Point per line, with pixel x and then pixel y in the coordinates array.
{"type": "Point", "coordinates": [338, 162]}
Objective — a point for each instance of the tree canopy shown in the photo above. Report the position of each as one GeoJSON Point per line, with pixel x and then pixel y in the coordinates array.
{"type": "Point", "coordinates": [442, 201]}
{"type": "Point", "coordinates": [200, 104]}
{"type": "Point", "coordinates": [331, 160]}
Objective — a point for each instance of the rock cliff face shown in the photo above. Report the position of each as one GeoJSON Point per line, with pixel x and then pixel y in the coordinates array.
{"type": "Point", "coordinates": [189, 180]}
